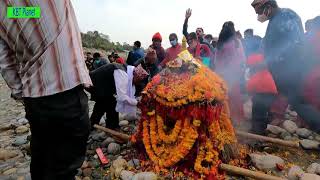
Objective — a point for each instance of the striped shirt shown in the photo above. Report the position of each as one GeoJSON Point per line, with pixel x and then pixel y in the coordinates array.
{"type": "Point", "coordinates": [42, 57]}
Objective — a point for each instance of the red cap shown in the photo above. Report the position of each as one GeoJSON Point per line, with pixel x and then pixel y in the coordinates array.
{"type": "Point", "coordinates": [120, 60]}
{"type": "Point", "coordinates": [157, 36]}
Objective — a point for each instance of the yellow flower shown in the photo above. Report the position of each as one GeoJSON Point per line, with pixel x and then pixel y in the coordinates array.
{"type": "Point", "coordinates": [151, 113]}
{"type": "Point", "coordinates": [196, 123]}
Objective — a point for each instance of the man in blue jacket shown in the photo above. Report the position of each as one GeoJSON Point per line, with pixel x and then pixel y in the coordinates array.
{"type": "Point", "coordinates": [283, 46]}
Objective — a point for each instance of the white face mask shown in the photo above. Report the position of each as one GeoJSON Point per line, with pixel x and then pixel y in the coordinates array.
{"type": "Point", "coordinates": [262, 18]}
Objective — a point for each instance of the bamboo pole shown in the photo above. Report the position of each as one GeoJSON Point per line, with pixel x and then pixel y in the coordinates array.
{"type": "Point", "coordinates": [268, 139]}
{"type": "Point", "coordinates": [121, 136]}
{"type": "Point", "coordinates": [126, 137]}
{"type": "Point", "coordinates": [225, 167]}
{"type": "Point", "coordinates": [247, 173]}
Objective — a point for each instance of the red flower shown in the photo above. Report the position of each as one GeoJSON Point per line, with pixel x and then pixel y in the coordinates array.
{"type": "Point", "coordinates": [208, 95]}
{"type": "Point", "coordinates": [156, 79]}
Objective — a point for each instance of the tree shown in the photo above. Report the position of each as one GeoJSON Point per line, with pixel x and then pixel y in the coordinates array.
{"type": "Point", "coordinates": [102, 41]}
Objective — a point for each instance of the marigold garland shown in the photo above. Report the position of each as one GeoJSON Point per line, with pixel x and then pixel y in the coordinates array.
{"type": "Point", "coordinates": [193, 100]}
{"type": "Point", "coordinates": [172, 137]}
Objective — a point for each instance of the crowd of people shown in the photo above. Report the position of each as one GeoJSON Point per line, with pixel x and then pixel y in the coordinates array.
{"type": "Point", "coordinates": [45, 70]}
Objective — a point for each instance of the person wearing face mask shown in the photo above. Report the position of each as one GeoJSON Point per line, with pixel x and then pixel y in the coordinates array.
{"type": "Point", "coordinates": [283, 48]}
{"type": "Point", "coordinates": [173, 51]}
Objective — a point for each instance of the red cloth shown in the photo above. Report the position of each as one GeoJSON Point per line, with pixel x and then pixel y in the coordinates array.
{"type": "Point", "coordinates": [236, 103]}
{"type": "Point", "coordinates": [201, 50]}
{"type": "Point", "coordinates": [120, 60]}
{"type": "Point", "coordinates": [228, 62]}
{"type": "Point", "coordinates": [171, 54]}
{"type": "Point", "coordinates": [312, 87]}
{"type": "Point", "coordinates": [157, 36]}
{"type": "Point", "coordinates": [228, 65]}
{"type": "Point", "coordinates": [261, 81]}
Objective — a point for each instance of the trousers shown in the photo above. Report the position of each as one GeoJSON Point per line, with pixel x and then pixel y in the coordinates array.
{"type": "Point", "coordinates": [59, 131]}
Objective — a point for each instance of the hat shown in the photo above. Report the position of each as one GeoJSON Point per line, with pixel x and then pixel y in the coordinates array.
{"type": "Point", "coordinates": [120, 60]}
{"type": "Point", "coordinates": [157, 36]}
{"type": "Point", "coordinates": [259, 3]}
{"type": "Point", "coordinates": [139, 73]}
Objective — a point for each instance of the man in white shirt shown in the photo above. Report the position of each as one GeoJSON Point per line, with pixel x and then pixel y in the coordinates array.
{"type": "Point", "coordinates": [113, 91]}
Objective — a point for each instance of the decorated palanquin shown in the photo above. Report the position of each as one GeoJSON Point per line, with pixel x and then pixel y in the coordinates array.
{"type": "Point", "coordinates": [185, 117]}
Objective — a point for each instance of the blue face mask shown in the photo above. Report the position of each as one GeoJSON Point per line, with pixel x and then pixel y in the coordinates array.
{"type": "Point", "coordinates": [174, 42]}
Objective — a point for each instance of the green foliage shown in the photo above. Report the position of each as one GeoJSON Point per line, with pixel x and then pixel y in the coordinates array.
{"type": "Point", "coordinates": [98, 40]}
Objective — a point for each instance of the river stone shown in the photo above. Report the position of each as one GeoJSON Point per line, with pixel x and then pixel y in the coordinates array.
{"type": "Point", "coordinates": [87, 172]}
{"type": "Point", "coordinates": [96, 175]}
{"type": "Point", "coordinates": [303, 132]}
{"type": "Point", "coordinates": [27, 148]}
{"type": "Point", "coordinates": [311, 138]}
{"type": "Point", "coordinates": [285, 135]}
{"type": "Point", "coordinates": [290, 126]}
{"type": "Point", "coordinates": [313, 168]}
{"type": "Point", "coordinates": [106, 142]}
{"type": "Point", "coordinates": [145, 176]}
{"type": "Point", "coordinates": [10, 171]}
{"type": "Point", "coordinates": [318, 170]}
{"type": "Point", "coordinates": [307, 176]}
{"type": "Point", "coordinates": [23, 171]}
{"type": "Point", "coordinates": [317, 138]}
{"type": "Point", "coordinates": [22, 130]}
{"type": "Point", "coordinates": [293, 113]}
{"type": "Point", "coordinates": [6, 154]}
{"type": "Point", "coordinates": [21, 178]}
{"type": "Point", "coordinates": [94, 163]}
{"type": "Point", "coordinates": [20, 140]}
{"type": "Point", "coordinates": [23, 121]}
{"type": "Point", "coordinates": [134, 163]}
{"type": "Point", "coordinates": [114, 148]}
{"type": "Point", "coordinates": [126, 175]}
{"type": "Point", "coordinates": [309, 144]}
{"type": "Point", "coordinates": [117, 166]}
{"type": "Point", "coordinates": [266, 162]}
{"type": "Point", "coordinates": [275, 129]}
{"type": "Point", "coordinates": [85, 165]}
{"type": "Point", "coordinates": [5, 127]}
{"type": "Point", "coordinates": [123, 123]}
{"type": "Point", "coordinates": [294, 173]}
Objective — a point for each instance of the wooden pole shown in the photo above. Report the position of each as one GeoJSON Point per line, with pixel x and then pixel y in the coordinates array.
{"type": "Point", "coordinates": [268, 139]}
{"type": "Point", "coordinates": [121, 136]}
{"type": "Point", "coordinates": [225, 167]}
{"type": "Point", "coordinates": [247, 173]}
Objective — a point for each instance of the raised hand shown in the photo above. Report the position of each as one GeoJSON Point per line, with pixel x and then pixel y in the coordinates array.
{"type": "Point", "coordinates": [188, 13]}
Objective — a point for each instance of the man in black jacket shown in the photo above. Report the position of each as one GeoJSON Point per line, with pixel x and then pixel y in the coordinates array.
{"type": "Point", "coordinates": [113, 91]}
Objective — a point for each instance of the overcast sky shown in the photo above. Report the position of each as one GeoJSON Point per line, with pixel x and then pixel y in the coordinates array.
{"type": "Point", "coordinates": [130, 20]}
